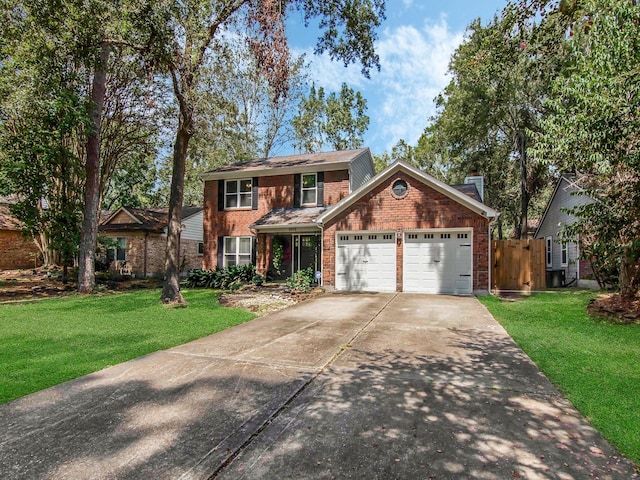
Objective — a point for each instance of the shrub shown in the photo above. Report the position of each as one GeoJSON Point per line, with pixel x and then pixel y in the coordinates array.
{"type": "Point", "coordinates": [230, 278]}
{"type": "Point", "coordinates": [302, 280]}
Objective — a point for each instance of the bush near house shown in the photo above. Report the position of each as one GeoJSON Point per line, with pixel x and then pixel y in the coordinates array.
{"type": "Point", "coordinates": [230, 278]}
{"type": "Point", "coordinates": [594, 363]}
{"type": "Point", "coordinates": [302, 281]}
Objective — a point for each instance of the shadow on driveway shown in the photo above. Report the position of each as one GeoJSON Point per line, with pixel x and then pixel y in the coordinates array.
{"type": "Point", "coordinates": [386, 386]}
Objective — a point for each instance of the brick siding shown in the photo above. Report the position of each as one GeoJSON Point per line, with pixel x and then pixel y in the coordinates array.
{"type": "Point", "coordinates": [422, 208]}
{"type": "Point", "coordinates": [156, 244]}
{"type": "Point", "coordinates": [273, 192]}
{"type": "Point", "coordinates": [17, 252]}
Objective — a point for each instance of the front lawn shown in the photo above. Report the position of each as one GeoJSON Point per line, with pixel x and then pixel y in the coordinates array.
{"type": "Point", "coordinates": [50, 341]}
{"type": "Point", "coordinates": [595, 364]}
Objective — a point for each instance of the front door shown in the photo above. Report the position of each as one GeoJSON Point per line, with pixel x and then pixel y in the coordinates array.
{"type": "Point", "coordinates": [291, 253]}
{"type": "Point", "coordinates": [306, 252]}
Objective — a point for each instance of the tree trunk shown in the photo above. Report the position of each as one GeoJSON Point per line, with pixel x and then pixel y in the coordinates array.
{"type": "Point", "coordinates": [171, 286]}
{"type": "Point", "coordinates": [86, 266]}
{"type": "Point", "coordinates": [627, 276]}
{"type": "Point", "coordinates": [521, 231]}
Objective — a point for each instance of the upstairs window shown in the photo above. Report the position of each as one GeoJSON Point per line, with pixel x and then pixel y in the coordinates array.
{"type": "Point", "coordinates": [237, 193]}
{"type": "Point", "coordinates": [549, 251]}
{"type": "Point", "coordinates": [309, 187]}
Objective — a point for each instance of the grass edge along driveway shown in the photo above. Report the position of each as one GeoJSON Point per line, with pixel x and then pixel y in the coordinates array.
{"type": "Point", "coordinates": [595, 364]}
{"type": "Point", "coordinates": [50, 341]}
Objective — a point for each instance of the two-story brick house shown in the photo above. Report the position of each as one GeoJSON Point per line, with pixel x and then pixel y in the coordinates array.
{"type": "Point", "coordinates": [400, 230]}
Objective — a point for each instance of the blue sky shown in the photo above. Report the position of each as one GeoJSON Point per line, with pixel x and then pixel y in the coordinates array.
{"type": "Point", "coordinates": [414, 45]}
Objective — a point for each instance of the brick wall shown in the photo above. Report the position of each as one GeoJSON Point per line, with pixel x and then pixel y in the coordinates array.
{"type": "Point", "coordinates": [17, 252]}
{"type": "Point", "coordinates": [156, 245]}
{"type": "Point", "coordinates": [422, 208]}
{"type": "Point", "coordinates": [336, 186]}
{"type": "Point", "coordinates": [189, 257]}
{"type": "Point", "coordinates": [273, 192]}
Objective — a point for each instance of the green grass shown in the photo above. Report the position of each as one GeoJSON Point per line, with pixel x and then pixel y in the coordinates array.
{"type": "Point", "coordinates": [50, 341]}
{"type": "Point", "coordinates": [595, 364]}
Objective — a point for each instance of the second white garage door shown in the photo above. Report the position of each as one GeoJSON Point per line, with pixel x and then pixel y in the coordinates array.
{"type": "Point", "coordinates": [438, 262]}
{"type": "Point", "coordinates": [366, 261]}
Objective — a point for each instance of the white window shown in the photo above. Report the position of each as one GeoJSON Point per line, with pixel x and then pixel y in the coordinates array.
{"type": "Point", "coordinates": [118, 252]}
{"type": "Point", "coordinates": [549, 251]}
{"type": "Point", "coordinates": [309, 187]}
{"type": "Point", "coordinates": [564, 254]}
{"type": "Point", "coordinates": [237, 251]}
{"type": "Point", "coordinates": [200, 249]}
{"type": "Point", "coordinates": [237, 193]}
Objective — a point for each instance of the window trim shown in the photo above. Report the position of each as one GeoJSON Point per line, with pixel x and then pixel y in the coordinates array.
{"type": "Point", "coordinates": [303, 189]}
{"type": "Point", "coordinates": [237, 253]}
{"type": "Point", "coordinates": [548, 251]}
{"type": "Point", "coordinates": [564, 254]}
{"type": "Point", "coordinates": [238, 194]}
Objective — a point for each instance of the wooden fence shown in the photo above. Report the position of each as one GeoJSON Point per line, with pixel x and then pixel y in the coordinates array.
{"type": "Point", "coordinates": [518, 265]}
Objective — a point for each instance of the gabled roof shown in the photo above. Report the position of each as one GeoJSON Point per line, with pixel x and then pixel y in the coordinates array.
{"type": "Point", "coordinates": [289, 218]}
{"type": "Point", "coordinates": [145, 219]}
{"type": "Point", "coordinates": [394, 169]}
{"type": "Point", "coordinates": [303, 163]}
{"type": "Point", "coordinates": [570, 180]}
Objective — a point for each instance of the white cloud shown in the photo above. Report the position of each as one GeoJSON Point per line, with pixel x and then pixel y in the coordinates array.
{"type": "Point", "coordinates": [414, 63]}
{"type": "Point", "coordinates": [331, 74]}
{"type": "Point", "coordinates": [414, 70]}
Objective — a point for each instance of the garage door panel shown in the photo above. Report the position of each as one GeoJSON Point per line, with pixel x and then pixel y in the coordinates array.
{"type": "Point", "coordinates": [438, 262]}
{"type": "Point", "coordinates": [366, 261]}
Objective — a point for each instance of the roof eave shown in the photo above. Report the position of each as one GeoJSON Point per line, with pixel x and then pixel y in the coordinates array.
{"type": "Point", "coordinates": [273, 171]}
{"type": "Point", "coordinates": [122, 209]}
{"type": "Point", "coordinates": [473, 205]}
{"type": "Point", "coordinates": [285, 228]}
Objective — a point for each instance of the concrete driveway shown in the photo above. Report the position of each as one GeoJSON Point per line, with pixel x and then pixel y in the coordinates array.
{"type": "Point", "coordinates": [342, 386]}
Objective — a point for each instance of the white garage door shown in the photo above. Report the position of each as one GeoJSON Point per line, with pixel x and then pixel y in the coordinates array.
{"type": "Point", "coordinates": [438, 262]}
{"type": "Point", "coordinates": [366, 262]}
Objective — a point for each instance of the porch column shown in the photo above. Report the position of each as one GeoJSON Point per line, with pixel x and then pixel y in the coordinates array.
{"type": "Point", "coordinates": [264, 253]}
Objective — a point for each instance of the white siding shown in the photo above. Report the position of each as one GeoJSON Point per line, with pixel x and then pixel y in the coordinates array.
{"type": "Point", "coordinates": [193, 228]}
{"type": "Point", "coordinates": [361, 170]}
{"type": "Point", "coordinates": [554, 221]}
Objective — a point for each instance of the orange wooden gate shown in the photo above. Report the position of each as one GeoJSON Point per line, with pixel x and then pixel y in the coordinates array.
{"type": "Point", "coordinates": [518, 265]}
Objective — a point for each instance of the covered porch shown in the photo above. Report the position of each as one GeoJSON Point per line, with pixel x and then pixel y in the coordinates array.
{"type": "Point", "coordinates": [289, 240]}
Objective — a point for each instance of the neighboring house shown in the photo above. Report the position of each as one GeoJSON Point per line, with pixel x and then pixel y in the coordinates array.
{"type": "Point", "coordinates": [400, 230]}
{"type": "Point", "coordinates": [141, 238]}
{"type": "Point", "coordinates": [16, 251]}
{"type": "Point", "coordinates": [563, 264]}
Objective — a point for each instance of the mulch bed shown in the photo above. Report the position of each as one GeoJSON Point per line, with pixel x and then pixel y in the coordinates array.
{"type": "Point", "coordinates": [266, 298]}
{"type": "Point", "coordinates": [613, 307]}
{"type": "Point", "coordinates": [37, 283]}
{"type": "Point", "coordinates": [46, 282]}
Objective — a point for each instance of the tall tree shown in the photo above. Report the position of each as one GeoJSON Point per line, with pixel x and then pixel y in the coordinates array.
{"type": "Point", "coordinates": [60, 51]}
{"type": "Point", "coordinates": [185, 35]}
{"type": "Point", "coordinates": [237, 117]}
{"type": "Point", "coordinates": [594, 129]}
{"type": "Point", "coordinates": [44, 114]}
{"type": "Point", "coordinates": [337, 121]}
{"type": "Point", "coordinates": [493, 104]}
